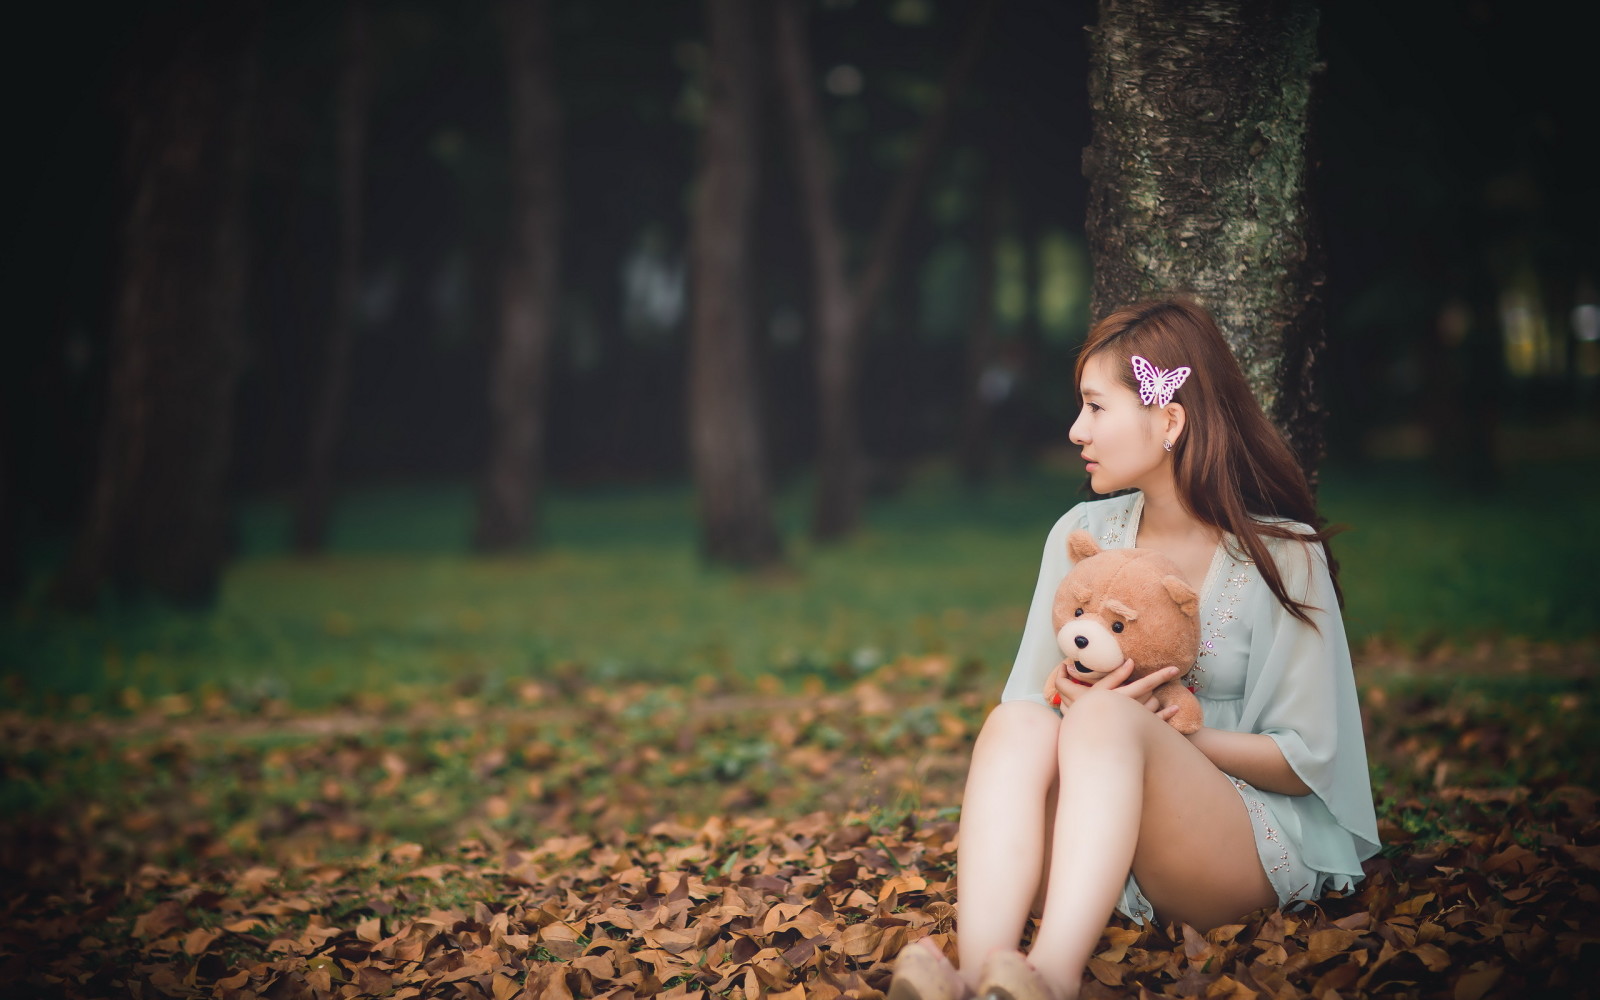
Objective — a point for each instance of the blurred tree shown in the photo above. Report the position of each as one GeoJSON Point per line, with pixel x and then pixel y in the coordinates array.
{"type": "Point", "coordinates": [840, 311]}
{"type": "Point", "coordinates": [974, 447]}
{"type": "Point", "coordinates": [833, 305]}
{"type": "Point", "coordinates": [10, 512]}
{"type": "Point", "coordinates": [156, 518]}
{"type": "Point", "coordinates": [519, 373]}
{"type": "Point", "coordinates": [726, 441]}
{"type": "Point", "coordinates": [328, 412]}
{"type": "Point", "coordinates": [1197, 181]}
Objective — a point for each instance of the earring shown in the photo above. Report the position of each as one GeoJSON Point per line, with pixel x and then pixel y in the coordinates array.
{"type": "Point", "coordinates": [1167, 445]}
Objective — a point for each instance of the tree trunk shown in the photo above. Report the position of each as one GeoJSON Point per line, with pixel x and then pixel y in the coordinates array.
{"type": "Point", "coordinates": [833, 304]}
{"type": "Point", "coordinates": [840, 313]}
{"type": "Point", "coordinates": [11, 571]}
{"type": "Point", "coordinates": [725, 434]}
{"type": "Point", "coordinates": [519, 376]}
{"type": "Point", "coordinates": [1197, 172]}
{"type": "Point", "coordinates": [327, 416]}
{"type": "Point", "coordinates": [1029, 349]}
{"type": "Point", "coordinates": [157, 514]}
{"type": "Point", "coordinates": [977, 424]}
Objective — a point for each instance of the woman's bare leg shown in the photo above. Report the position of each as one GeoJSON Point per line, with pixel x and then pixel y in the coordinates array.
{"type": "Point", "coordinates": [1000, 858]}
{"type": "Point", "coordinates": [1134, 793]}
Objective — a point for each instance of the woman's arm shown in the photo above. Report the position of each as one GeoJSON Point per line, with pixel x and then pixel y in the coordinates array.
{"type": "Point", "coordinates": [1288, 739]}
{"type": "Point", "coordinates": [1253, 757]}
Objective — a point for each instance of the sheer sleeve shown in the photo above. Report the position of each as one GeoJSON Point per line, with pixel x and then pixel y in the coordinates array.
{"type": "Point", "coordinates": [1300, 691]}
{"type": "Point", "coordinates": [1039, 654]}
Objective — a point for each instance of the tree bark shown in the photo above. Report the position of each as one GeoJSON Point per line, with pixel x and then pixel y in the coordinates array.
{"type": "Point", "coordinates": [841, 313]}
{"type": "Point", "coordinates": [519, 376]}
{"type": "Point", "coordinates": [725, 434]}
{"type": "Point", "coordinates": [156, 520]}
{"type": "Point", "coordinates": [1197, 174]}
{"type": "Point", "coordinates": [327, 416]}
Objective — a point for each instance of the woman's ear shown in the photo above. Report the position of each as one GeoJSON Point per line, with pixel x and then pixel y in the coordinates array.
{"type": "Point", "coordinates": [1176, 420]}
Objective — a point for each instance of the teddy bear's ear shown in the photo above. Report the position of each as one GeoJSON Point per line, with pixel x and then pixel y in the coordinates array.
{"type": "Point", "coordinates": [1081, 545]}
{"type": "Point", "coordinates": [1187, 600]}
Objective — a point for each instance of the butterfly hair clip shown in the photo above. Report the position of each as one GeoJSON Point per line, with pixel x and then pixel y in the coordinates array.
{"type": "Point", "coordinates": [1157, 385]}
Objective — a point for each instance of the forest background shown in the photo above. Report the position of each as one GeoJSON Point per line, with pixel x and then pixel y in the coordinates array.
{"type": "Point", "coordinates": [275, 780]}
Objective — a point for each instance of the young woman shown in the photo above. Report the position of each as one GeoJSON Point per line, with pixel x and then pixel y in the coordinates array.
{"type": "Point", "coordinates": [1103, 805]}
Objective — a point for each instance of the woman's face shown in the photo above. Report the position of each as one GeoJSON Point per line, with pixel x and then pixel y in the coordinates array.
{"type": "Point", "coordinates": [1119, 435]}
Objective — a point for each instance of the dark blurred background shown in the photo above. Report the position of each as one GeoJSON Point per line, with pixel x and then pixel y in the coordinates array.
{"type": "Point", "coordinates": [1455, 180]}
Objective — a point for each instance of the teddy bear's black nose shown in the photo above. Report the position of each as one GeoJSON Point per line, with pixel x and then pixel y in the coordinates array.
{"type": "Point", "coordinates": [1081, 641]}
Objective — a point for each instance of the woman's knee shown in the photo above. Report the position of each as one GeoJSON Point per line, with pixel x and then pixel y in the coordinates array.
{"type": "Point", "coordinates": [1012, 760]}
{"type": "Point", "coordinates": [1021, 716]}
{"type": "Point", "coordinates": [1102, 716]}
{"type": "Point", "coordinates": [1014, 728]}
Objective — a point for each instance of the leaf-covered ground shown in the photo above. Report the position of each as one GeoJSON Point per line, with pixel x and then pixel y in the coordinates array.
{"type": "Point", "coordinates": [567, 838]}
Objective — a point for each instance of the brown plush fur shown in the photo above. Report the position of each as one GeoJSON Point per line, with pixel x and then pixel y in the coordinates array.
{"type": "Point", "coordinates": [1134, 604]}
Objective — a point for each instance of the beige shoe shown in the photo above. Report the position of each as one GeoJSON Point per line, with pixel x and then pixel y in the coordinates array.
{"type": "Point", "coordinates": [1008, 976]}
{"type": "Point", "coordinates": [921, 973]}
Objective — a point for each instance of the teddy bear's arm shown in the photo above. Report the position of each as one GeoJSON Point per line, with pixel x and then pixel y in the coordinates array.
{"type": "Point", "coordinates": [1190, 718]}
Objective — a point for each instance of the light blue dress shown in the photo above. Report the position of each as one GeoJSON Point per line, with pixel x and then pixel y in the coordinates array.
{"type": "Point", "coordinates": [1260, 670]}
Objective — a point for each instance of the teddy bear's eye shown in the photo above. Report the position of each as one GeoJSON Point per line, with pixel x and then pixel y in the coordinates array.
{"type": "Point", "coordinates": [1078, 613]}
{"type": "Point", "coordinates": [1116, 626]}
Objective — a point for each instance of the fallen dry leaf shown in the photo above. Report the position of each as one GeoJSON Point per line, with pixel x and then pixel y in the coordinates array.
{"type": "Point", "coordinates": [774, 847]}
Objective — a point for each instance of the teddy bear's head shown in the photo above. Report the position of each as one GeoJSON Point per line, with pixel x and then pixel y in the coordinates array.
{"type": "Point", "coordinates": [1117, 604]}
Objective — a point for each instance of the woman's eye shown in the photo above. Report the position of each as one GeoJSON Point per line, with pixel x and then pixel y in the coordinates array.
{"type": "Point", "coordinates": [1116, 626]}
{"type": "Point", "coordinates": [1078, 613]}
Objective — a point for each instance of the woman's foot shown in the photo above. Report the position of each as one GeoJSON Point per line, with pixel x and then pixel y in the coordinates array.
{"type": "Point", "coordinates": [921, 972]}
{"type": "Point", "coordinates": [1008, 976]}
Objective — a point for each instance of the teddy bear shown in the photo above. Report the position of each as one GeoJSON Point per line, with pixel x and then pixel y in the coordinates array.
{"type": "Point", "coordinates": [1118, 604]}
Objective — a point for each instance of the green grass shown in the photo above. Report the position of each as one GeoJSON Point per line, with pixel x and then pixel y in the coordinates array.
{"type": "Point", "coordinates": [1426, 563]}
{"type": "Point", "coordinates": [618, 593]}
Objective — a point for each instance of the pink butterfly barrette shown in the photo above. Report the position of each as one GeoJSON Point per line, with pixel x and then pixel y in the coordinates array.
{"type": "Point", "coordinates": [1155, 384]}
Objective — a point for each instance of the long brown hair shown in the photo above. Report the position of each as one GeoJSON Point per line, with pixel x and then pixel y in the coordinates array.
{"type": "Point", "coordinates": [1231, 465]}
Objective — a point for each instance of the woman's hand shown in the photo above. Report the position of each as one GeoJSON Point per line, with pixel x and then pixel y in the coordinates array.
{"type": "Point", "coordinates": [1140, 690]}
